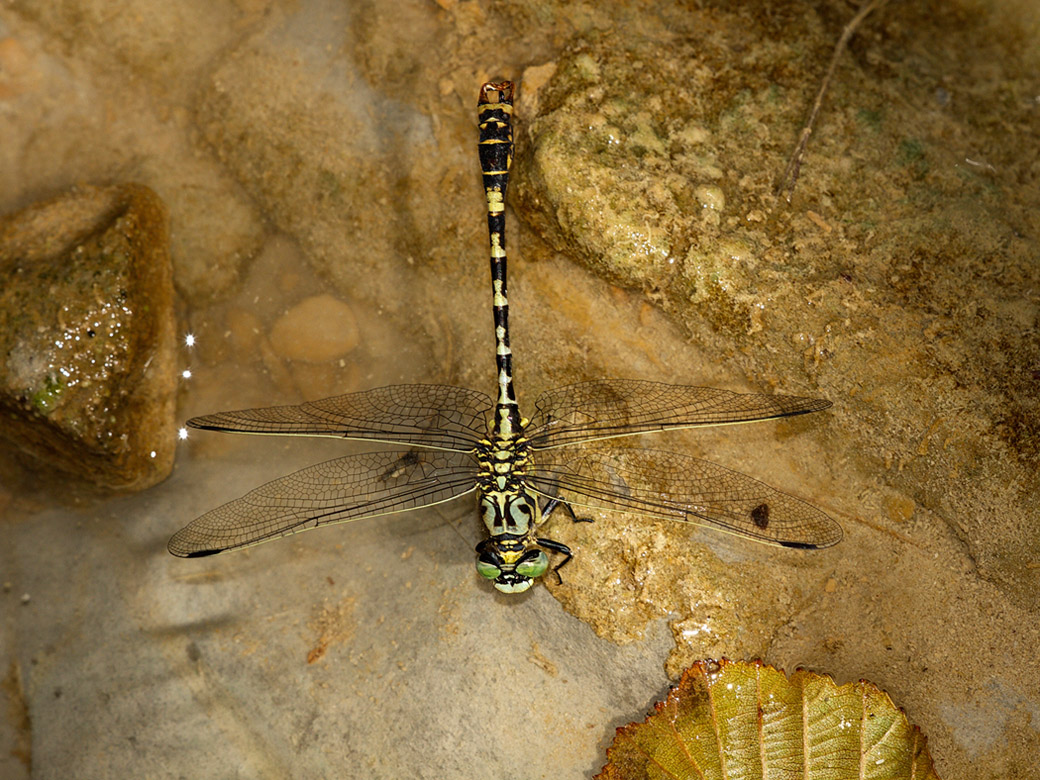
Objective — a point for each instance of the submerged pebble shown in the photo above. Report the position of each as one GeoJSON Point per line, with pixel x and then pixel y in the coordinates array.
{"type": "Point", "coordinates": [315, 330]}
{"type": "Point", "coordinates": [710, 196]}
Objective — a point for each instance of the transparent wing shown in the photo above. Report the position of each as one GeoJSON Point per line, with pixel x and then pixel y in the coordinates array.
{"type": "Point", "coordinates": [678, 487]}
{"type": "Point", "coordinates": [621, 407]}
{"type": "Point", "coordinates": [437, 416]}
{"type": "Point", "coordinates": [349, 488]}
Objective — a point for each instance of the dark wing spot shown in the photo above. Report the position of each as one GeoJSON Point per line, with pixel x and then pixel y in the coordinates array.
{"type": "Point", "coordinates": [199, 553]}
{"type": "Point", "coordinates": [760, 515]}
{"type": "Point", "coordinates": [799, 545]}
{"type": "Point", "coordinates": [406, 461]}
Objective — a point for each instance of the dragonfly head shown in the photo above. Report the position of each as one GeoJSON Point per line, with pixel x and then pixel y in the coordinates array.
{"type": "Point", "coordinates": [510, 563]}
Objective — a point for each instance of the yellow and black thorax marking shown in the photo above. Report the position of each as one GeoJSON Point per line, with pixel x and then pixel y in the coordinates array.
{"type": "Point", "coordinates": [507, 506]}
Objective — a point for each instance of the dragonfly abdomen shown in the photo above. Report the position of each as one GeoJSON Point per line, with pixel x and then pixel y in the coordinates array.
{"type": "Point", "coordinates": [495, 110]}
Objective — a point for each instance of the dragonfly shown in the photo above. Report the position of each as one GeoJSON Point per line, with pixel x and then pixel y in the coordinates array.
{"type": "Point", "coordinates": [457, 442]}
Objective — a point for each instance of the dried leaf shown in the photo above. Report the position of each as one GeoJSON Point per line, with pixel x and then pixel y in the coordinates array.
{"type": "Point", "coordinates": [731, 719]}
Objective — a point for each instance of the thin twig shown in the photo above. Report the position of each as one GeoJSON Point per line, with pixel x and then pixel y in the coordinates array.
{"type": "Point", "coordinates": [790, 176]}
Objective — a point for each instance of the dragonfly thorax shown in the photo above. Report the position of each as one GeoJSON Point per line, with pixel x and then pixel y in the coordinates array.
{"type": "Point", "coordinates": [506, 506]}
{"type": "Point", "coordinates": [510, 557]}
{"type": "Point", "coordinates": [511, 513]}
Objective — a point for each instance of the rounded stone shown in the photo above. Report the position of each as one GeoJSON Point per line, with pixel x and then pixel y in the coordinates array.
{"type": "Point", "coordinates": [315, 330]}
{"type": "Point", "coordinates": [711, 197]}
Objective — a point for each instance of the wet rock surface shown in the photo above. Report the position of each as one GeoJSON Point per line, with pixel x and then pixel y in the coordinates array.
{"type": "Point", "coordinates": [901, 282]}
{"type": "Point", "coordinates": [86, 336]}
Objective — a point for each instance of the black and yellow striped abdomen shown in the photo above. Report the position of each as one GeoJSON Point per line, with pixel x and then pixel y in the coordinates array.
{"type": "Point", "coordinates": [495, 112]}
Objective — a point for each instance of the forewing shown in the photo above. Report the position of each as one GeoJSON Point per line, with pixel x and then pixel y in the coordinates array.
{"type": "Point", "coordinates": [679, 487]}
{"type": "Point", "coordinates": [349, 488]}
{"type": "Point", "coordinates": [437, 416]}
{"type": "Point", "coordinates": [621, 407]}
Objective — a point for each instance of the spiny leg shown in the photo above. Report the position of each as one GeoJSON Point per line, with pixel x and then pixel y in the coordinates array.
{"type": "Point", "coordinates": [560, 547]}
{"type": "Point", "coordinates": [551, 544]}
{"type": "Point", "coordinates": [551, 505]}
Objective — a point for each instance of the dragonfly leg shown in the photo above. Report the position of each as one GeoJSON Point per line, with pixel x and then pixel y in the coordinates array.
{"type": "Point", "coordinates": [550, 507]}
{"type": "Point", "coordinates": [549, 544]}
{"type": "Point", "coordinates": [560, 547]}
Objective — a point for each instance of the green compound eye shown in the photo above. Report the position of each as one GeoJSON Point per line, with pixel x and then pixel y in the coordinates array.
{"type": "Point", "coordinates": [533, 567]}
{"type": "Point", "coordinates": [486, 569]}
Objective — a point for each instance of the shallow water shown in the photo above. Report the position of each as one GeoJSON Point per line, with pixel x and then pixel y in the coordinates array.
{"type": "Point", "coordinates": [371, 649]}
